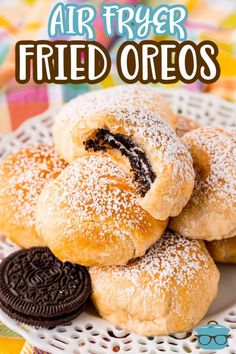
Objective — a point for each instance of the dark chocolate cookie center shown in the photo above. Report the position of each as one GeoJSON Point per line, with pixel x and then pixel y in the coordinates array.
{"type": "Point", "coordinates": [143, 174]}
{"type": "Point", "coordinates": [36, 278]}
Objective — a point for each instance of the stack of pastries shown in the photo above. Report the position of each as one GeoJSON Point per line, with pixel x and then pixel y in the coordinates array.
{"type": "Point", "coordinates": [132, 192]}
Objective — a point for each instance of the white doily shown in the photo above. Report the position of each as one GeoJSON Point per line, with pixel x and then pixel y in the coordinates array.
{"type": "Point", "coordinates": [89, 334]}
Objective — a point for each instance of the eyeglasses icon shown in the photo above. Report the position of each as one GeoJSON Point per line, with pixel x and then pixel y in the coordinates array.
{"type": "Point", "coordinates": [219, 339]}
{"type": "Point", "coordinates": [213, 336]}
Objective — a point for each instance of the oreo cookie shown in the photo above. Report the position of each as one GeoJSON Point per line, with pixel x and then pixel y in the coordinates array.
{"type": "Point", "coordinates": [39, 290]}
{"type": "Point", "coordinates": [141, 167]}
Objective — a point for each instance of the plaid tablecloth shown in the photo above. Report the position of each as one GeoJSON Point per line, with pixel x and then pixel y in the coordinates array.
{"type": "Point", "coordinates": [21, 19]}
{"type": "Point", "coordinates": [27, 19]}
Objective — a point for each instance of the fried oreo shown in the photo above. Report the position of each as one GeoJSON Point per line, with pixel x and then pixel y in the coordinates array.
{"type": "Point", "coordinates": [39, 290]}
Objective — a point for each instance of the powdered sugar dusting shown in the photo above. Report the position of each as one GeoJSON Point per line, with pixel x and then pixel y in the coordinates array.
{"type": "Point", "coordinates": [159, 138]}
{"type": "Point", "coordinates": [141, 113]}
{"type": "Point", "coordinates": [27, 172]}
{"type": "Point", "coordinates": [95, 189]}
{"type": "Point", "coordinates": [217, 147]}
{"type": "Point", "coordinates": [138, 95]}
{"type": "Point", "coordinates": [171, 262]}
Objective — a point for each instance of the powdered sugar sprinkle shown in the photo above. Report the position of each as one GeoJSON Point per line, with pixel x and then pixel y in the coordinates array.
{"type": "Point", "coordinates": [27, 172]}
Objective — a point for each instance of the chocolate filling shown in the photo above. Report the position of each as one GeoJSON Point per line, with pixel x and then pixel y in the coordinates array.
{"type": "Point", "coordinates": [143, 174]}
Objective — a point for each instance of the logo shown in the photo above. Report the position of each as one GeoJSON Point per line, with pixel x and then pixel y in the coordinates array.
{"type": "Point", "coordinates": [212, 336]}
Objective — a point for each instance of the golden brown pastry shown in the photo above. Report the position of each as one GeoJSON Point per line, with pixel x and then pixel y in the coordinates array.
{"type": "Point", "coordinates": [185, 125]}
{"type": "Point", "coordinates": [76, 112]}
{"type": "Point", "coordinates": [223, 251]}
{"type": "Point", "coordinates": [211, 211]}
{"type": "Point", "coordinates": [160, 165]}
{"type": "Point", "coordinates": [22, 178]}
{"type": "Point", "coordinates": [166, 291]}
{"type": "Point", "coordinates": [90, 214]}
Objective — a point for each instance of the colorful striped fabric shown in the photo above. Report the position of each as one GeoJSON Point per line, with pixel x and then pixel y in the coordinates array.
{"type": "Point", "coordinates": [208, 19]}
{"type": "Point", "coordinates": [10, 342]}
{"type": "Point", "coordinates": [19, 102]}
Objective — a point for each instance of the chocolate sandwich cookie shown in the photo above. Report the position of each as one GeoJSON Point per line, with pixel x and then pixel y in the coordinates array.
{"type": "Point", "coordinates": [141, 167]}
{"type": "Point", "coordinates": [39, 290]}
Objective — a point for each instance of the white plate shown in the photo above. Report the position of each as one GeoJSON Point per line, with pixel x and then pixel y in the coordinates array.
{"type": "Point", "coordinates": [89, 333]}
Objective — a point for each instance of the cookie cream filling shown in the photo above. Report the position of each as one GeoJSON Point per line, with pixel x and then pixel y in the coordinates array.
{"type": "Point", "coordinates": [140, 166]}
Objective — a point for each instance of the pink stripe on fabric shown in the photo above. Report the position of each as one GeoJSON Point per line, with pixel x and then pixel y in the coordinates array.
{"type": "Point", "coordinates": [27, 94]}
{"type": "Point", "coordinates": [25, 102]}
